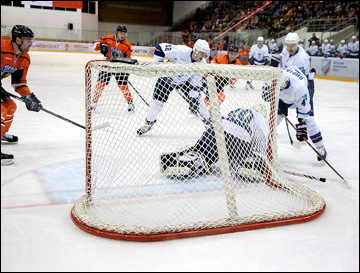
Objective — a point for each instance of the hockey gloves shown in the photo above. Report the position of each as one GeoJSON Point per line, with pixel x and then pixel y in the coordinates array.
{"type": "Point", "coordinates": [275, 60]}
{"type": "Point", "coordinates": [104, 49]}
{"type": "Point", "coordinates": [32, 102]}
{"type": "Point", "coordinates": [301, 130]}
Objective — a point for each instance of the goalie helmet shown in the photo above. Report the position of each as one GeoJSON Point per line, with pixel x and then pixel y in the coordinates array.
{"type": "Point", "coordinates": [291, 38]}
{"type": "Point", "coordinates": [202, 46]}
{"type": "Point", "coordinates": [21, 31]}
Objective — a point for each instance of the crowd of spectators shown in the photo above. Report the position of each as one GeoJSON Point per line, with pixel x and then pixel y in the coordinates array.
{"type": "Point", "coordinates": [276, 17]}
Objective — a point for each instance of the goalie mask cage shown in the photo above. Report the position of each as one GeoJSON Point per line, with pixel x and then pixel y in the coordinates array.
{"type": "Point", "coordinates": [128, 196]}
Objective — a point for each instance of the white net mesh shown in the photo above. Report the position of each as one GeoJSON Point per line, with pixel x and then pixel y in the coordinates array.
{"type": "Point", "coordinates": [189, 172]}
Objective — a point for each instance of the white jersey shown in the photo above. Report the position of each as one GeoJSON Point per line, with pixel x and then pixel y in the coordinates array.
{"type": "Point", "coordinates": [296, 93]}
{"type": "Point", "coordinates": [332, 49]}
{"type": "Point", "coordinates": [248, 125]}
{"type": "Point", "coordinates": [259, 54]}
{"type": "Point", "coordinates": [273, 48]}
{"type": "Point", "coordinates": [178, 54]}
{"type": "Point", "coordinates": [353, 48]}
{"type": "Point", "coordinates": [325, 48]}
{"type": "Point", "coordinates": [342, 49]}
{"type": "Point", "coordinates": [314, 50]}
{"type": "Point", "coordinates": [300, 59]}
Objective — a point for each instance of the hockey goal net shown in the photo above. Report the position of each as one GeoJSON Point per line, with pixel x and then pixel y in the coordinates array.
{"type": "Point", "coordinates": [156, 186]}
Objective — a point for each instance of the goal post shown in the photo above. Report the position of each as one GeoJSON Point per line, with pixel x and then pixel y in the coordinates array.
{"type": "Point", "coordinates": [187, 176]}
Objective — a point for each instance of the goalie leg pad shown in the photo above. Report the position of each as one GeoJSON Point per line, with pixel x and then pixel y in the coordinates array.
{"type": "Point", "coordinates": [182, 164]}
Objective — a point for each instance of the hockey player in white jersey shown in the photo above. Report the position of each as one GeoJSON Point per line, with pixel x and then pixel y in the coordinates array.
{"type": "Point", "coordinates": [332, 52]}
{"type": "Point", "coordinates": [294, 94]}
{"type": "Point", "coordinates": [342, 49]}
{"type": "Point", "coordinates": [273, 47]}
{"type": "Point", "coordinates": [353, 48]}
{"type": "Point", "coordinates": [189, 86]}
{"type": "Point", "coordinates": [246, 135]}
{"type": "Point", "coordinates": [293, 55]}
{"type": "Point", "coordinates": [325, 48]}
{"type": "Point", "coordinates": [259, 53]}
{"type": "Point", "coordinates": [313, 49]}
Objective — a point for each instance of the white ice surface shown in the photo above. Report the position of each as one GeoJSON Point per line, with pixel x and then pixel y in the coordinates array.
{"type": "Point", "coordinates": [38, 191]}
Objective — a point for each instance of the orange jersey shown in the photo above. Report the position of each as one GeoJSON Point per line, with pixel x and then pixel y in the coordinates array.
{"type": "Point", "coordinates": [223, 59]}
{"type": "Point", "coordinates": [15, 65]}
{"type": "Point", "coordinates": [244, 56]}
{"type": "Point", "coordinates": [115, 48]}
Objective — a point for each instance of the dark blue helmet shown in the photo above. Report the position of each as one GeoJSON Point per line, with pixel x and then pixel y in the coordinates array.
{"type": "Point", "coordinates": [21, 31]}
{"type": "Point", "coordinates": [121, 28]}
{"type": "Point", "coordinates": [233, 48]}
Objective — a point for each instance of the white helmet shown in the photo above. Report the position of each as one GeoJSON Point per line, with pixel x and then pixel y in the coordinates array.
{"type": "Point", "coordinates": [291, 38]}
{"type": "Point", "coordinates": [202, 46]}
{"type": "Point", "coordinates": [342, 41]}
{"type": "Point", "coordinates": [326, 40]}
{"type": "Point", "coordinates": [260, 39]}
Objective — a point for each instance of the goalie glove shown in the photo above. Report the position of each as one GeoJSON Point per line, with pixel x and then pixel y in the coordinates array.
{"type": "Point", "coordinates": [104, 49]}
{"type": "Point", "coordinates": [301, 130]}
{"type": "Point", "coordinates": [32, 103]}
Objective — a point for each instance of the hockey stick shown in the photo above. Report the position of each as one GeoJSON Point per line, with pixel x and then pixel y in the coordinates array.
{"type": "Point", "coordinates": [346, 183]}
{"type": "Point", "coordinates": [42, 108]}
{"type": "Point", "coordinates": [295, 144]}
{"type": "Point", "coordinates": [305, 175]}
{"type": "Point", "coordinates": [138, 93]}
{"type": "Point", "coordinates": [189, 102]}
{"type": "Point", "coordinates": [100, 126]}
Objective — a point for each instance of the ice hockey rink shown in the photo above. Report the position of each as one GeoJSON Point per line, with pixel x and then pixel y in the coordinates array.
{"type": "Point", "coordinates": [39, 190]}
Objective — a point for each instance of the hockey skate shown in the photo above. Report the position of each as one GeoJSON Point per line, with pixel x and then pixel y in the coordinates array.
{"type": "Point", "coordinates": [10, 138]}
{"type": "Point", "coordinates": [146, 128]}
{"type": "Point", "coordinates": [322, 152]}
{"type": "Point", "coordinates": [6, 159]}
{"type": "Point", "coordinates": [131, 106]}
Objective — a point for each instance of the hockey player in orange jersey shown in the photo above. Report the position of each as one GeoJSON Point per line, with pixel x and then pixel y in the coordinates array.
{"type": "Point", "coordinates": [113, 46]}
{"type": "Point", "coordinates": [244, 54]}
{"type": "Point", "coordinates": [15, 62]}
{"type": "Point", "coordinates": [244, 59]}
{"type": "Point", "coordinates": [229, 58]}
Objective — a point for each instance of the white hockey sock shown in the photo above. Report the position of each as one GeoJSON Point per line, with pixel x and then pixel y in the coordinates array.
{"type": "Point", "coordinates": [154, 109]}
